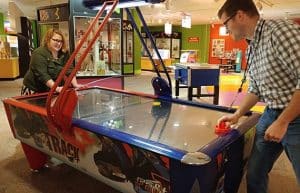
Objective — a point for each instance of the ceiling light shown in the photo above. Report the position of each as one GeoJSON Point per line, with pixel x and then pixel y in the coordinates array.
{"type": "Point", "coordinates": [167, 4]}
{"type": "Point", "coordinates": [286, 17]}
{"type": "Point", "coordinates": [259, 5]}
{"type": "Point", "coordinates": [267, 2]}
{"type": "Point", "coordinates": [223, 31]}
{"type": "Point", "coordinates": [176, 124]}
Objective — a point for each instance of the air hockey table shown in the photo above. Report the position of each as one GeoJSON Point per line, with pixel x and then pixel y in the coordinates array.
{"type": "Point", "coordinates": [137, 143]}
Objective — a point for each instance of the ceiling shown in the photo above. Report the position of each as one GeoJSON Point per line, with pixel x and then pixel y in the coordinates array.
{"type": "Point", "coordinates": [205, 11]}
{"type": "Point", "coordinates": [28, 7]}
{"type": "Point", "coordinates": [201, 11]}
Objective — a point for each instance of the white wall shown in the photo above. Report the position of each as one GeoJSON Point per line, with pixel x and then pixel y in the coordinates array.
{"type": "Point", "coordinates": [14, 16]}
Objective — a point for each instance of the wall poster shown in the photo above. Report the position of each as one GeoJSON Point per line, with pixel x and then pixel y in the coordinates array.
{"type": "Point", "coordinates": [218, 48]}
{"type": "Point", "coordinates": [175, 48]}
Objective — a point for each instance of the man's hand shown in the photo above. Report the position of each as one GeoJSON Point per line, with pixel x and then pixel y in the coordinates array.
{"type": "Point", "coordinates": [248, 102]}
{"type": "Point", "coordinates": [276, 131]}
{"type": "Point", "coordinates": [229, 120]}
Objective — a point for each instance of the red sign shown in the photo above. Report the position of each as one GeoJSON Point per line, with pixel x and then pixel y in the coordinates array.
{"type": "Point", "coordinates": [193, 39]}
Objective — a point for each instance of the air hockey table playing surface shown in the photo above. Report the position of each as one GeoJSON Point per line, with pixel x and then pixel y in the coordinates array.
{"type": "Point", "coordinates": [138, 143]}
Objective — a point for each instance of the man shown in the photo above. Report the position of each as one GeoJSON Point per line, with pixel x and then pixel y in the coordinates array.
{"type": "Point", "coordinates": [274, 71]}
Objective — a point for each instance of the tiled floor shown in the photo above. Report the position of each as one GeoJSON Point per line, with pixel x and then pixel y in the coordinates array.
{"type": "Point", "coordinates": [15, 176]}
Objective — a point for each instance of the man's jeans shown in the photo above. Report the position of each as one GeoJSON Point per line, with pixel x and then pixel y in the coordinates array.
{"type": "Point", "coordinates": [265, 153]}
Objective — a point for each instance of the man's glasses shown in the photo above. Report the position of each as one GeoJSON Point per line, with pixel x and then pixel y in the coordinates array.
{"type": "Point", "coordinates": [228, 19]}
{"type": "Point", "coordinates": [57, 40]}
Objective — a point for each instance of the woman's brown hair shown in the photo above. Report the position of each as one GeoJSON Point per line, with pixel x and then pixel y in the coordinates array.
{"type": "Point", "coordinates": [50, 33]}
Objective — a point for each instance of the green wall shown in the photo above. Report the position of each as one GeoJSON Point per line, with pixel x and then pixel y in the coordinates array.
{"type": "Point", "coordinates": [128, 69]}
{"type": "Point", "coordinates": [1, 23]}
{"type": "Point", "coordinates": [201, 31]}
{"type": "Point", "coordinates": [137, 47]}
{"type": "Point", "coordinates": [34, 31]}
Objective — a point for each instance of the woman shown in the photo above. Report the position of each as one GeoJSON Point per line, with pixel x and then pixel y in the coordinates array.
{"type": "Point", "coordinates": [46, 63]}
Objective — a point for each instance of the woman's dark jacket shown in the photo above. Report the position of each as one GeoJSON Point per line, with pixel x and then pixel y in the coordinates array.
{"type": "Point", "coordinates": [44, 67]}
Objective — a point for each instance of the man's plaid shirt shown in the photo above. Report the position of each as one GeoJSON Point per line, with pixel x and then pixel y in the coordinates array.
{"type": "Point", "coordinates": [274, 62]}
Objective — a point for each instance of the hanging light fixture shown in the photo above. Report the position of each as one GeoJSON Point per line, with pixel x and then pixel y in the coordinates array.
{"type": "Point", "coordinates": [168, 28]}
{"type": "Point", "coordinates": [186, 21]}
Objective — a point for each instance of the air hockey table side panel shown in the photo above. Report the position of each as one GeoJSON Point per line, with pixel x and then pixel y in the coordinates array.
{"type": "Point", "coordinates": [125, 167]}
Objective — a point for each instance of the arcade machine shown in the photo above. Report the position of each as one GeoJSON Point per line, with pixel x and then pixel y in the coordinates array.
{"type": "Point", "coordinates": [133, 142]}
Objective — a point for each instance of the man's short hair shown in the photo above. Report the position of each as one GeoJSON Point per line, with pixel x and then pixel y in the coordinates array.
{"type": "Point", "coordinates": [230, 7]}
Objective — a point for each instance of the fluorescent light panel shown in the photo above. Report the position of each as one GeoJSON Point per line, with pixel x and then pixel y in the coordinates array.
{"type": "Point", "coordinates": [125, 5]}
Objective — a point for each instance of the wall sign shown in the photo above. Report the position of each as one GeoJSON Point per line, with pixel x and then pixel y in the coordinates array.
{"type": "Point", "coordinates": [54, 13]}
{"type": "Point", "coordinates": [127, 26]}
{"type": "Point", "coordinates": [193, 39]}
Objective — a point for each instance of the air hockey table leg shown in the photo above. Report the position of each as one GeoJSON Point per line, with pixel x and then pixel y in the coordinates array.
{"type": "Point", "coordinates": [190, 93]}
{"type": "Point", "coordinates": [216, 94]}
{"type": "Point", "coordinates": [234, 166]}
{"type": "Point", "coordinates": [176, 88]}
{"type": "Point", "coordinates": [189, 179]}
{"type": "Point", "coordinates": [35, 158]}
{"type": "Point", "coordinates": [198, 92]}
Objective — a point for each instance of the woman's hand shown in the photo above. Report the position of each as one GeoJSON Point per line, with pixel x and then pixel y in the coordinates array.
{"type": "Point", "coordinates": [78, 85]}
{"type": "Point", "coordinates": [75, 83]}
{"type": "Point", "coordinates": [58, 89]}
